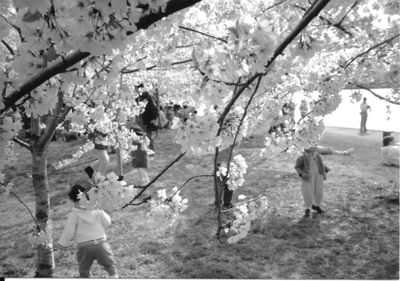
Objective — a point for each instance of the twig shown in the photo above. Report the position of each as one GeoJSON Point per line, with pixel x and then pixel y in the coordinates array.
{"type": "Point", "coordinates": [26, 206]}
{"type": "Point", "coordinates": [188, 180]}
{"type": "Point", "coordinates": [242, 120]}
{"type": "Point", "coordinates": [345, 15]}
{"type": "Point", "coordinates": [387, 41]}
{"type": "Point", "coordinates": [129, 71]}
{"type": "Point", "coordinates": [374, 93]}
{"type": "Point", "coordinates": [202, 33]}
{"type": "Point", "coordinates": [242, 203]}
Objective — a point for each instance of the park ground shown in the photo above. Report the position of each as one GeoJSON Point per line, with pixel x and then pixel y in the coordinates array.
{"type": "Point", "coordinates": [357, 237]}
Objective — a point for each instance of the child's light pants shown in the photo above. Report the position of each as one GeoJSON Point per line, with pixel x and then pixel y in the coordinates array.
{"type": "Point", "coordinates": [104, 160]}
{"type": "Point", "coordinates": [312, 188]}
{"type": "Point", "coordinates": [143, 177]}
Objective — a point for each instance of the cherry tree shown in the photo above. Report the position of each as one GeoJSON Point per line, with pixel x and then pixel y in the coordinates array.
{"type": "Point", "coordinates": [238, 62]}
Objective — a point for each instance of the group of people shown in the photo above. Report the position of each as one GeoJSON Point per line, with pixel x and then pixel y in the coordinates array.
{"type": "Point", "coordinates": [88, 226]}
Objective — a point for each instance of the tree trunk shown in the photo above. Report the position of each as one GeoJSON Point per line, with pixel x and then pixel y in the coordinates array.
{"type": "Point", "coordinates": [45, 256]}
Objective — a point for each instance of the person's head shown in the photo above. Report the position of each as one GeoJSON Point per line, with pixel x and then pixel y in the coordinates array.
{"type": "Point", "coordinates": [145, 96]}
{"type": "Point", "coordinates": [310, 149]}
{"type": "Point", "coordinates": [364, 99]}
{"type": "Point", "coordinates": [74, 192]}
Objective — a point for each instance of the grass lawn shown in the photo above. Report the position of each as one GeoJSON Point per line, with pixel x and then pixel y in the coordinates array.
{"type": "Point", "coordinates": [357, 237]}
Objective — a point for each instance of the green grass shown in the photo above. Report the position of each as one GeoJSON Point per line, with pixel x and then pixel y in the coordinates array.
{"type": "Point", "coordinates": [358, 237]}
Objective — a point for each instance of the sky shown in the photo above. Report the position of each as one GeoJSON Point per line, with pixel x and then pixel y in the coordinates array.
{"type": "Point", "coordinates": [347, 115]}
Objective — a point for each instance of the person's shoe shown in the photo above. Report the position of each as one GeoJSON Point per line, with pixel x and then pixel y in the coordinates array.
{"type": "Point", "coordinates": [307, 213]}
{"type": "Point", "coordinates": [318, 209]}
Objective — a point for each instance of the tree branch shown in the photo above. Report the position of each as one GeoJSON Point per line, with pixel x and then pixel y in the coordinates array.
{"type": "Point", "coordinates": [202, 33]}
{"type": "Point", "coordinates": [188, 180]}
{"type": "Point", "coordinates": [374, 93]}
{"type": "Point", "coordinates": [129, 71]}
{"type": "Point", "coordinates": [309, 16]}
{"type": "Point", "coordinates": [8, 47]}
{"type": "Point", "coordinates": [242, 120]}
{"type": "Point", "coordinates": [345, 15]}
{"type": "Point", "coordinates": [387, 41]}
{"type": "Point", "coordinates": [26, 206]}
{"type": "Point", "coordinates": [61, 64]}
{"type": "Point", "coordinates": [23, 144]}
{"type": "Point", "coordinates": [42, 76]}
{"type": "Point", "coordinates": [155, 179]}
{"type": "Point", "coordinates": [15, 27]}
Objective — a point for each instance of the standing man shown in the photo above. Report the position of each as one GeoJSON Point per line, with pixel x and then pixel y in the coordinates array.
{"type": "Point", "coordinates": [364, 107]}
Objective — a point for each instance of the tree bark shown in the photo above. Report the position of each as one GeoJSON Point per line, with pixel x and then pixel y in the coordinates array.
{"type": "Point", "coordinates": [45, 256]}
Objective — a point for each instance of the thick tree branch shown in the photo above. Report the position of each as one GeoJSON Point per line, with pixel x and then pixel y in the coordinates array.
{"type": "Point", "coordinates": [8, 47]}
{"type": "Point", "coordinates": [42, 76]}
{"type": "Point", "coordinates": [310, 15]}
{"type": "Point", "coordinates": [23, 144]}
{"type": "Point", "coordinates": [61, 64]}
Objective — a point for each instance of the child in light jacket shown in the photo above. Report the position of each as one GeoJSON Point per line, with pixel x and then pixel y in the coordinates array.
{"type": "Point", "coordinates": [312, 172]}
{"type": "Point", "coordinates": [88, 228]}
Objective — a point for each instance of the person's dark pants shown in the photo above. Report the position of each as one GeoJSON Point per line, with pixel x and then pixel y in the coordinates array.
{"type": "Point", "coordinates": [100, 252]}
{"type": "Point", "coordinates": [363, 125]}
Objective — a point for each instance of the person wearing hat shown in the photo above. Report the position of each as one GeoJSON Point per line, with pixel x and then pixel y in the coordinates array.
{"type": "Point", "coordinates": [88, 227]}
{"type": "Point", "coordinates": [312, 171]}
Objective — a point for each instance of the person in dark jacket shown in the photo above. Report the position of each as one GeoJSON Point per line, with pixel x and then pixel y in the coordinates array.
{"type": "Point", "coordinates": [149, 118]}
{"type": "Point", "coordinates": [312, 172]}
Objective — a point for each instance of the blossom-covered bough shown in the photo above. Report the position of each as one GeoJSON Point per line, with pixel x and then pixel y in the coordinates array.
{"type": "Point", "coordinates": [238, 62]}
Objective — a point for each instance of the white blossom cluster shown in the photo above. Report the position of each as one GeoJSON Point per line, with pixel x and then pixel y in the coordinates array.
{"type": "Point", "coordinates": [166, 209]}
{"type": "Point", "coordinates": [107, 193]}
{"type": "Point", "coordinates": [235, 175]}
{"type": "Point", "coordinates": [75, 157]}
{"type": "Point", "coordinates": [244, 214]}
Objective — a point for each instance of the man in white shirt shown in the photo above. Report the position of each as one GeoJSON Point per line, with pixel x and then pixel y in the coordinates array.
{"type": "Point", "coordinates": [364, 107]}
